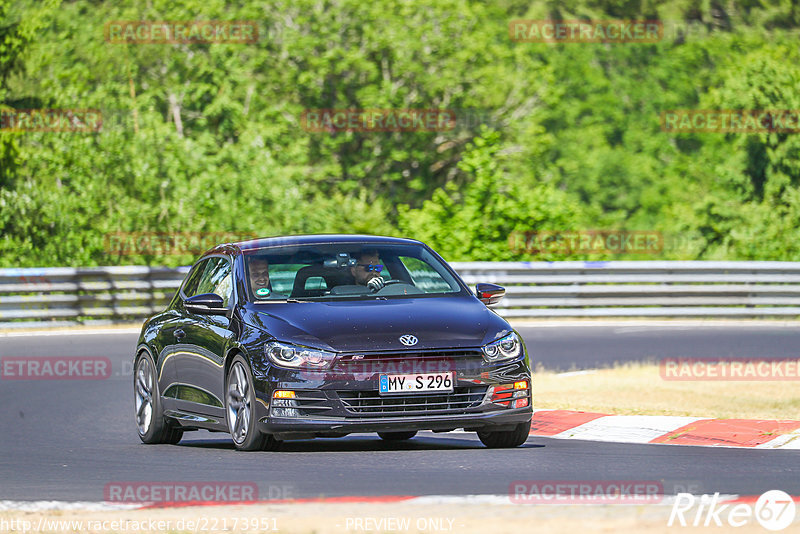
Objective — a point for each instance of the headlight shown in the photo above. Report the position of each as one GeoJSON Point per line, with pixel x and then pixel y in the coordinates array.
{"type": "Point", "coordinates": [505, 348]}
{"type": "Point", "coordinates": [296, 357]}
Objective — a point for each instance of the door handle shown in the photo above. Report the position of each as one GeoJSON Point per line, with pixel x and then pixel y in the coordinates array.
{"type": "Point", "coordinates": [179, 334]}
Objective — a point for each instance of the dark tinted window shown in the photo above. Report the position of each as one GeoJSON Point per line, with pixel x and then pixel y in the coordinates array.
{"type": "Point", "coordinates": [342, 270]}
{"type": "Point", "coordinates": [190, 287]}
{"type": "Point", "coordinates": [216, 278]}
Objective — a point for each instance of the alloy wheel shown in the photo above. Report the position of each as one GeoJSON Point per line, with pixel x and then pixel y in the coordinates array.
{"type": "Point", "coordinates": [143, 395]}
{"type": "Point", "coordinates": [238, 403]}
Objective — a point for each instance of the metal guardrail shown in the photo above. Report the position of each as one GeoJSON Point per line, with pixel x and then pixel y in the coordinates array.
{"type": "Point", "coordinates": [62, 296]}
{"type": "Point", "coordinates": [57, 296]}
{"type": "Point", "coordinates": [642, 288]}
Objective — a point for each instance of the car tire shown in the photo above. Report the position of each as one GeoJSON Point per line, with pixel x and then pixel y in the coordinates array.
{"type": "Point", "coordinates": [240, 411]}
{"type": "Point", "coordinates": [151, 424]}
{"type": "Point", "coordinates": [397, 436]}
{"type": "Point", "coordinates": [506, 439]}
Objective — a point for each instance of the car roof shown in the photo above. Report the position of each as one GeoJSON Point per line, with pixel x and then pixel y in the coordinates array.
{"type": "Point", "coordinates": [309, 239]}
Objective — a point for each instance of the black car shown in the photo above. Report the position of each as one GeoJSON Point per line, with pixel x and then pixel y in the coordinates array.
{"type": "Point", "coordinates": [325, 335]}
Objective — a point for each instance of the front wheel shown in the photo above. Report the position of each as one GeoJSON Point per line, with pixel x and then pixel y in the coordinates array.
{"type": "Point", "coordinates": [153, 427]}
{"type": "Point", "coordinates": [506, 439]}
{"type": "Point", "coordinates": [240, 412]}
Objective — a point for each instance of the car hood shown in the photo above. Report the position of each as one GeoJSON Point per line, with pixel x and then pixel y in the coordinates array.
{"type": "Point", "coordinates": [372, 325]}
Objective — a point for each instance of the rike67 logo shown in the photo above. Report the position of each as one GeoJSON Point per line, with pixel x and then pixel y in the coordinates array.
{"type": "Point", "coordinates": [774, 510]}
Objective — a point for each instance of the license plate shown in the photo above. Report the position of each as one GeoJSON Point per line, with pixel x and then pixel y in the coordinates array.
{"type": "Point", "coordinates": [416, 383]}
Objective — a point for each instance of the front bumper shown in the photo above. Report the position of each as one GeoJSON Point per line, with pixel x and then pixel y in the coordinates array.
{"type": "Point", "coordinates": [297, 428]}
{"type": "Point", "coordinates": [332, 404]}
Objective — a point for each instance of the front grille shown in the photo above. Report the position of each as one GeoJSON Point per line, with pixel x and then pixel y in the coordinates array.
{"type": "Point", "coordinates": [372, 404]}
{"type": "Point", "coordinates": [409, 355]}
{"type": "Point", "coordinates": [408, 362]}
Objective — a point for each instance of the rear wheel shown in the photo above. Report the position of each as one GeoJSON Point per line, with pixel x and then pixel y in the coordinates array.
{"type": "Point", "coordinates": [506, 439]}
{"type": "Point", "coordinates": [397, 436]}
{"type": "Point", "coordinates": [151, 424]}
{"type": "Point", "coordinates": [239, 410]}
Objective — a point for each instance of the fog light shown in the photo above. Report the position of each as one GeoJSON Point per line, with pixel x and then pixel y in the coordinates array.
{"type": "Point", "coordinates": [512, 395]}
{"type": "Point", "coordinates": [283, 404]}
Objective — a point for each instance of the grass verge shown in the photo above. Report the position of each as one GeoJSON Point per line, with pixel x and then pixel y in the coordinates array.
{"type": "Point", "coordinates": [638, 389]}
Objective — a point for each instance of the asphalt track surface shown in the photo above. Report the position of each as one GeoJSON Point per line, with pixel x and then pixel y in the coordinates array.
{"type": "Point", "coordinates": [587, 346]}
{"type": "Point", "coordinates": [66, 440]}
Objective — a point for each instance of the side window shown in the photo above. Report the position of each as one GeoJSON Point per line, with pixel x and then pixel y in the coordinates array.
{"type": "Point", "coordinates": [217, 279]}
{"type": "Point", "coordinates": [190, 287]}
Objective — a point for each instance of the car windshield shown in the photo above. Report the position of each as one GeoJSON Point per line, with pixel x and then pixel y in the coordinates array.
{"type": "Point", "coordinates": [345, 271]}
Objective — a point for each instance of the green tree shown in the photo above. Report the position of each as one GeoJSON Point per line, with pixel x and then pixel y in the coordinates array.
{"type": "Point", "coordinates": [477, 221]}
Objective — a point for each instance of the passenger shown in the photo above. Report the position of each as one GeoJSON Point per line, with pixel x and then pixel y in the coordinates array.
{"type": "Point", "coordinates": [366, 271]}
{"type": "Point", "coordinates": [259, 277]}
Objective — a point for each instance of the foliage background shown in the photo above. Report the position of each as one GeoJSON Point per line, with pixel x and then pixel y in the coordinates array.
{"type": "Point", "coordinates": [567, 136]}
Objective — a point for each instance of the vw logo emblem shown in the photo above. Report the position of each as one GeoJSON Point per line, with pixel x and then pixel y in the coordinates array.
{"type": "Point", "coordinates": [408, 340]}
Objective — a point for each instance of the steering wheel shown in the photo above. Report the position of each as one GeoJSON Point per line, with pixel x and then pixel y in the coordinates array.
{"type": "Point", "coordinates": [398, 287]}
{"type": "Point", "coordinates": [385, 283]}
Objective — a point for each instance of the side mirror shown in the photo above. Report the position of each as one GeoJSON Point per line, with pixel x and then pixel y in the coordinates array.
{"type": "Point", "coordinates": [206, 304]}
{"type": "Point", "coordinates": [489, 293]}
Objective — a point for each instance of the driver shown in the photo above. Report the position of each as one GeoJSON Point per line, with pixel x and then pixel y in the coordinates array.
{"type": "Point", "coordinates": [367, 270]}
